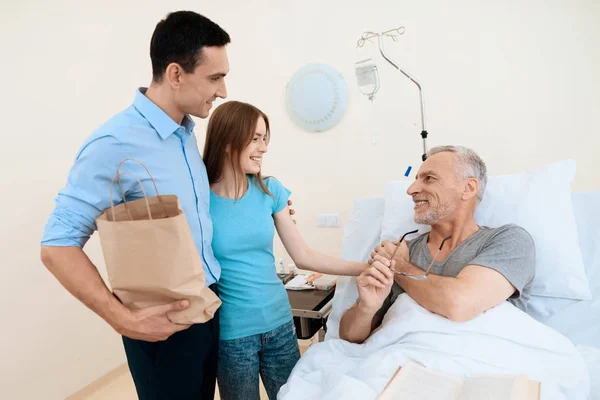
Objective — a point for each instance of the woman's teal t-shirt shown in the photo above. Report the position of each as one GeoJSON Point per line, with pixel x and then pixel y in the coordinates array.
{"type": "Point", "coordinates": [254, 299]}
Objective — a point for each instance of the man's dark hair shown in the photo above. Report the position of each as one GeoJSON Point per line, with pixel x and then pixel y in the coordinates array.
{"type": "Point", "coordinates": [179, 38]}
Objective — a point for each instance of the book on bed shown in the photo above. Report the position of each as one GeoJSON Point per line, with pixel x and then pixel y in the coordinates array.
{"type": "Point", "coordinates": [415, 382]}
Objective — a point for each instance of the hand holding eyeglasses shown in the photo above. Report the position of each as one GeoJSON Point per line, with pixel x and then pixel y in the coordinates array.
{"type": "Point", "coordinates": [387, 248]}
{"type": "Point", "coordinates": [402, 245]}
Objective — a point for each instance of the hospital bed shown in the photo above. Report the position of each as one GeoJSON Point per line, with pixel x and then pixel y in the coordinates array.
{"type": "Point", "coordinates": [578, 320]}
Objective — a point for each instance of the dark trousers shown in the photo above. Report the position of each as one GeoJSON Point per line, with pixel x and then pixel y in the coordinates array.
{"type": "Point", "coordinates": [183, 367]}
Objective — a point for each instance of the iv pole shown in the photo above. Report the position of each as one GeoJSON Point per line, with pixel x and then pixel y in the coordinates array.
{"type": "Point", "coordinates": [367, 36]}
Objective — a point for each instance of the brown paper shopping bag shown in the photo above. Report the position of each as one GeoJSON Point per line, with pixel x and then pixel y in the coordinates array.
{"type": "Point", "coordinates": [151, 257]}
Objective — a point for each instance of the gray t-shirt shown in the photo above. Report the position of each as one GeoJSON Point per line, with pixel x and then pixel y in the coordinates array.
{"type": "Point", "coordinates": [509, 249]}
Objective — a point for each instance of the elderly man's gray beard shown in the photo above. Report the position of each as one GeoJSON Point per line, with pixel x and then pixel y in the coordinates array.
{"type": "Point", "coordinates": [434, 215]}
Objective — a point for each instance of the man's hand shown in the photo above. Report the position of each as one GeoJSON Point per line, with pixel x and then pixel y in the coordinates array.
{"type": "Point", "coordinates": [292, 211]}
{"type": "Point", "coordinates": [151, 324]}
{"type": "Point", "coordinates": [375, 284]}
{"type": "Point", "coordinates": [386, 249]}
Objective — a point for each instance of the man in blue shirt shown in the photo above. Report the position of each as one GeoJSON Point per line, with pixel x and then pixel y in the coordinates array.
{"type": "Point", "coordinates": [189, 63]}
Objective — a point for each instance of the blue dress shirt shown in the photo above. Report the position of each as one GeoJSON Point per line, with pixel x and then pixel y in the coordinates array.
{"type": "Point", "coordinates": [170, 151]}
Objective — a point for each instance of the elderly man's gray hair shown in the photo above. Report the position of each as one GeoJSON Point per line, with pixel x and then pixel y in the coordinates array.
{"type": "Point", "coordinates": [471, 165]}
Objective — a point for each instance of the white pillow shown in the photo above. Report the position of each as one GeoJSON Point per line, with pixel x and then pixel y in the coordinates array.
{"type": "Point", "coordinates": [540, 202]}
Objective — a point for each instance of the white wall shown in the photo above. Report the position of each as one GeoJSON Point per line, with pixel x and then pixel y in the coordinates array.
{"type": "Point", "coordinates": [517, 81]}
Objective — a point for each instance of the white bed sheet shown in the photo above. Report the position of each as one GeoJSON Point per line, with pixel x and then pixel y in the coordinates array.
{"type": "Point", "coordinates": [577, 320]}
{"type": "Point", "coordinates": [488, 343]}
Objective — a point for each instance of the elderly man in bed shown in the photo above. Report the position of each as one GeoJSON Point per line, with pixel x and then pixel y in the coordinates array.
{"type": "Point", "coordinates": [477, 268]}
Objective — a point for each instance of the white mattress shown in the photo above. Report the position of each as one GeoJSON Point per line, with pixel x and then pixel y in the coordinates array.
{"type": "Point", "coordinates": [578, 320]}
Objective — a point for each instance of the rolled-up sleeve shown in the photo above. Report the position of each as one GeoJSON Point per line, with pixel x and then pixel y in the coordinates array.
{"type": "Point", "coordinates": [86, 193]}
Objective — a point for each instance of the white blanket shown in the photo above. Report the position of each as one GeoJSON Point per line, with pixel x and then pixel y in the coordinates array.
{"type": "Point", "coordinates": [502, 340]}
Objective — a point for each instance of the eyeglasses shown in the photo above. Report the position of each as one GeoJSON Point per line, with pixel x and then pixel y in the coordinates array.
{"type": "Point", "coordinates": [413, 276]}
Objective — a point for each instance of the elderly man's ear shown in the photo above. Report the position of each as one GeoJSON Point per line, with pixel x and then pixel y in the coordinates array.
{"type": "Point", "coordinates": [471, 189]}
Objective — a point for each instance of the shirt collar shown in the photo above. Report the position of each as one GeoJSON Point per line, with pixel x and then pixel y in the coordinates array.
{"type": "Point", "coordinates": [159, 120]}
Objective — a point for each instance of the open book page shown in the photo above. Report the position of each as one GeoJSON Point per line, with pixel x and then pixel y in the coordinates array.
{"type": "Point", "coordinates": [415, 382]}
{"type": "Point", "coordinates": [496, 387]}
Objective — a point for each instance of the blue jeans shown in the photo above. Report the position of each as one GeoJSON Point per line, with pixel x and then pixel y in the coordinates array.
{"type": "Point", "coordinates": [273, 355]}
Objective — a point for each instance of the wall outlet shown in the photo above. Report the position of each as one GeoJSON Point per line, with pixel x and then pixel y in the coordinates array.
{"type": "Point", "coordinates": [329, 220]}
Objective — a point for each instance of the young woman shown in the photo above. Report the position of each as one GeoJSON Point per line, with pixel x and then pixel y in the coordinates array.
{"type": "Point", "coordinates": [257, 329]}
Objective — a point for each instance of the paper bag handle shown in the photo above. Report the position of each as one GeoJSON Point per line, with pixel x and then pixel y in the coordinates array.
{"type": "Point", "coordinates": [147, 171]}
{"type": "Point", "coordinates": [112, 204]}
{"type": "Point", "coordinates": [149, 175]}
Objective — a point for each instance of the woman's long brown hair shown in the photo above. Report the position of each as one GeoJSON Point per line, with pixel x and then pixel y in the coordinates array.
{"type": "Point", "coordinates": [231, 126]}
